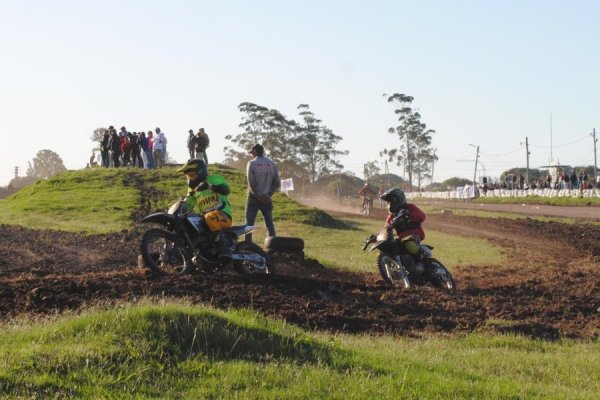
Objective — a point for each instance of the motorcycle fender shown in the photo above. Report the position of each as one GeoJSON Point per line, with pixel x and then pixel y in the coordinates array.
{"type": "Point", "coordinates": [377, 246]}
{"type": "Point", "coordinates": [161, 218]}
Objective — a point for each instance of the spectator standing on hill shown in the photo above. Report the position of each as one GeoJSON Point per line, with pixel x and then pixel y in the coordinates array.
{"type": "Point", "coordinates": [190, 143]}
{"type": "Point", "coordinates": [150, 151]}
{"type": "Point", "coordinates": [143, 141]}
{"type": "Point", "coordinates": [263, 180]}
{"type": "Point", "coordinates": [105, 148]}
{"type": "Point", "coordinates": [115, 148]}
{"type": "Point", "coordinates": [159, 148]}
{"type": "Point", "coordinates": [136, 157]}
{"type": "Point", "coordinates": [201, 141]}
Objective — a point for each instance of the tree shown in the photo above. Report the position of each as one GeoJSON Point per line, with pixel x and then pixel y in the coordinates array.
{"type": "Point", "coordinates": [317, 146]}
{"type": "Point", "coordinates": [453, 183]}
{"type": "Point", "coordinates": [415, 152]}
{"type": "Point", "coordinates": [97, 137]}
{"type": "Point", "coordinates": [370, 169]}
{"type": "Point", "coordinates": [45, 164]}
{"type": "Point", "coordinates": [265, 126]}
{"type": "Point", "coordinates": [303, 151]}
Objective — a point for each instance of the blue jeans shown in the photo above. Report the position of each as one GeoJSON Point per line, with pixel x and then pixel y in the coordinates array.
{"type": "Point", "coordinates": [252, 208]}
{"type": "Point", "coordinates": [149, 159]}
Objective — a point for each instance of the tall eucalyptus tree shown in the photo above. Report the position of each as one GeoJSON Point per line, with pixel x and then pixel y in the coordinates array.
{"type": "Point", "coordinates": [414, 152]}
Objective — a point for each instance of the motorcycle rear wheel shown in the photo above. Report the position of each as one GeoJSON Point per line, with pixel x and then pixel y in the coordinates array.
{"type": "Point", "coordinates": [248, 267]}
{"type": "Point", "coordinates": [392, 272]}
{"type": "Point", "coordinates": [441, 277]}
{"type": "Point", "coordinates": [160, 253]}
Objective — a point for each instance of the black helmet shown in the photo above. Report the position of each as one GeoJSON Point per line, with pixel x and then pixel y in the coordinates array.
{"type": "Point", "coordinates": [395, 198]}
{"type": "Point", "coordinates": [198, 166]}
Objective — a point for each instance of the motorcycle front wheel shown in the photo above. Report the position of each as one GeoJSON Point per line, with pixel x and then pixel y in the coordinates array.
{"type": "Point", "coordinates": [253, 267]}
{"type": "Point", "coordinates": [392, 272]}
{"type": "Point", "coordinates": [160, 253]}
{"type": "Point", "coordinates": [440, 276]}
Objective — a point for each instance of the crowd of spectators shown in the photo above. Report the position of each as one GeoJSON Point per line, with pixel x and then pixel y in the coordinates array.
{"type": "Point", "coordinates": [146, 150]}
{"type": "Point", "coordinates": [559, 182]}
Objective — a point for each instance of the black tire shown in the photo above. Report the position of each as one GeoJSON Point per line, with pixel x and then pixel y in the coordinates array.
{"type": "Point", "coordinates": [440, 276]}
{"type": "Point", "coordinates": [392, 272]}
{"type": "Point", "coordinates": [250, 267]}
{"type": "Point", "coordinates": [159, 253]}
{"type": "Point", "coordinates": [283, 244]}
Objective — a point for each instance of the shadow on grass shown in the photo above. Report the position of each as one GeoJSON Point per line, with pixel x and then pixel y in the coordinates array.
{"type": "Point", "coordinates": [181, 335]}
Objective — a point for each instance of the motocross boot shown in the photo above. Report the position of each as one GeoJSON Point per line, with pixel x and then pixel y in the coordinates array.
{"type": "Point", "coordinates": [419, 265]}
{"type": "Point", "coordinates": [225, 244]}
{"type": "Point", "coordinates": [408, 261]}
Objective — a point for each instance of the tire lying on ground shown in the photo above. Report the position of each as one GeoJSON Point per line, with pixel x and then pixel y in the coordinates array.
{"type": "Point", "coordinates": [283, 244]}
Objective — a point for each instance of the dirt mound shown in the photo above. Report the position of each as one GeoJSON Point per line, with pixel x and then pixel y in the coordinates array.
{"type": "Point", "coordinates": [550, 289]}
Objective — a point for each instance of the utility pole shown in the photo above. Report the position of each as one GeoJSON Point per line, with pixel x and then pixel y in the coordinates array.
{"type": "Point", "coordinates": [16, 172]}
{"type": "Point", "coordinates": [595, 160]}
{"type": "Point", "coordinates": [527, 151]}
{"type": "Point", "coordinates": [475, 172]}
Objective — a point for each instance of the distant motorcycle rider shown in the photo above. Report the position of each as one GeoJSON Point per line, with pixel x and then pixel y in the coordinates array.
{"type": "Point", "coordinates": [368, 193]}
{"type": "Point", "coordinates": [405, 218]}
{"type": "Point", "coordinates": [208, 193]}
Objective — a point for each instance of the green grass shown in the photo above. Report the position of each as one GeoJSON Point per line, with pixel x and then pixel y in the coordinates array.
{"type": "Point", "coordinates": [342, 248]}
{"type": "Point", "coordinates": [99, 200]}
{"type": "Point", "coordinates": [179, 351]}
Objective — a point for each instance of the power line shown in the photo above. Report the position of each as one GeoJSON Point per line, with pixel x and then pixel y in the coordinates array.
{"type": "Point", "coordinates": [562, 145]}
{"type": "Point", "coordinates": [503, 154]}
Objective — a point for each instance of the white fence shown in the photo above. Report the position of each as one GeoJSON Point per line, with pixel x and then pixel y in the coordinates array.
{"type": "Point", "coordinates": [467, 193]}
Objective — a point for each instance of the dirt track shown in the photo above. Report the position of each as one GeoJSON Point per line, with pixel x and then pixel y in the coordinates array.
{"type": "Point", "coordinates": [588, 213]}
{"type": "Point", "coordinates": [550, 288]}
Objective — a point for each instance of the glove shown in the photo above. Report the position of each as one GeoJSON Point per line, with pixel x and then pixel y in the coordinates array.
{"type": "Point", "coordinates": [400, 222]}
{"type": "Point", "coordinates": [202, 186]}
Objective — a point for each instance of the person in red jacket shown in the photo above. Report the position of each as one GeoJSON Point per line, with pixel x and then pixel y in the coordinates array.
{"type": "Point", "coordinates": [406, 219]}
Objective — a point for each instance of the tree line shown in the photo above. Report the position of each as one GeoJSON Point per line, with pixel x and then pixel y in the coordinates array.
{"type": "Point", "coordinates": [306, 149]}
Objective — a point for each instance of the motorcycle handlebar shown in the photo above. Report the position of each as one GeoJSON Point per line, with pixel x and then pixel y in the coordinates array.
{"type": "Point", "coordinates": [369, 240]}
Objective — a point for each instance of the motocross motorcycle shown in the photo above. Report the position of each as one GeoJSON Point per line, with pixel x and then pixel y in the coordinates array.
{"type": "Point", "coordinates": [186, 241]}
{"type": "Point", "coordinates": [367, 206]}
{"type": "Point", "coordinates": [393, 263]}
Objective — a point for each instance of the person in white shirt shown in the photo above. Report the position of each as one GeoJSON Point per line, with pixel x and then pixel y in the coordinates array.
{"type": "Point", "coordinates": [159, 148]}
{"type": "Point", "coordinates": [263, 180]}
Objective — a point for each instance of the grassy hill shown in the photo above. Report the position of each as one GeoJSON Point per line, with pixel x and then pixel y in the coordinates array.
{"type": "Point", "coordinates": [162, 348]}
{"type": "Point", "coordinates": [103, 200]}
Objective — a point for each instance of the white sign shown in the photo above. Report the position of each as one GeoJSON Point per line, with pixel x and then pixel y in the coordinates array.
{"type": "Point", "coordinates": [287, 185]}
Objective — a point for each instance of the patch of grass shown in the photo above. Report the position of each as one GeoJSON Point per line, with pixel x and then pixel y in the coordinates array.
{"type": "Point", "coordinates": [342, 248]}
{"type": "Point", "coordinates": [90, 200]}
{"type": "Point", "coordinates": [178, 351]}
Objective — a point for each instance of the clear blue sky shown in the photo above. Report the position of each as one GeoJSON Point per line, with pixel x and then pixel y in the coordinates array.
{"type": "Point", "coordinates": [486, 73]}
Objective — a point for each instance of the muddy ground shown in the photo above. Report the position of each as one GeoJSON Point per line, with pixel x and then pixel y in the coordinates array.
{"type": "Point", "coordinates": [549, 288]}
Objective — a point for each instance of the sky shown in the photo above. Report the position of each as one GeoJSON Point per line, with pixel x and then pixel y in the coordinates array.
{"type": "Point", "coordinates": [482, 73]}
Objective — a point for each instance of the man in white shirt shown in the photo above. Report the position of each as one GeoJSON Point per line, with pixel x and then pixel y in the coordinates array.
{"type": "Point", "coordinates": [159, 148]}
